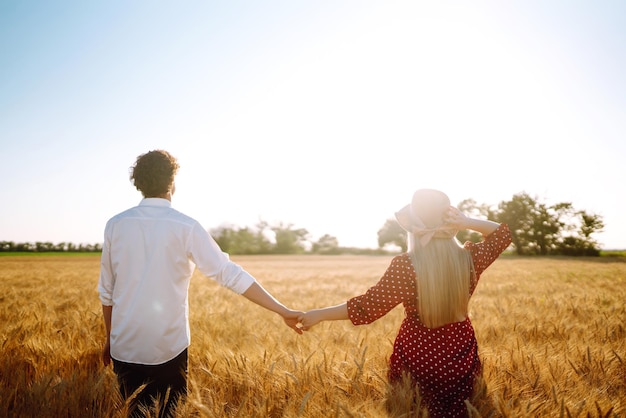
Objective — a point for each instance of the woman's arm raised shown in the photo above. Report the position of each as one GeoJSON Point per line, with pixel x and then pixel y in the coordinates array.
{"type": "Point", "coordinates": [457, 219]}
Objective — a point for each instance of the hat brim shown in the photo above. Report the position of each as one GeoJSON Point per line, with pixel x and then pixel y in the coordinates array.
{"type": "Point", "coordinates": [403, 216]}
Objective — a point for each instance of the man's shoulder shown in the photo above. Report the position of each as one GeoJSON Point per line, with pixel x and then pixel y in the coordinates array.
{"type": "Point", "coordinates": [141, 213]}
{"type": "Point", "coordinates": [125, 213]}
{"type": "Point", "coordinates": [182, 217]}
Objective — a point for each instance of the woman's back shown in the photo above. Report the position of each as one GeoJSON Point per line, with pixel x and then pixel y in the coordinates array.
{"type": "Point", "coordinates": [443, 271]}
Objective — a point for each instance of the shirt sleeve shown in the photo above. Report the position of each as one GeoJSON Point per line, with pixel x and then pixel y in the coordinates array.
{"type": "Point", "coordinates": [107, 278]}
{"type": "Point", "coordinates": [487, 251]}
{"type": "Point", "coordinates": [216, 264]}
{"type": "Point", "coordinates": [396, 286]}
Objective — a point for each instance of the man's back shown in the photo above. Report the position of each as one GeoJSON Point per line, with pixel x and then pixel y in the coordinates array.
{"type": "Point", "coordinates": [147, 267]}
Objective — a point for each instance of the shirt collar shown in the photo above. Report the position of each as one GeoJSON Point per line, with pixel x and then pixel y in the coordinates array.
{"type": "Point", "coordinates": [155, 201]}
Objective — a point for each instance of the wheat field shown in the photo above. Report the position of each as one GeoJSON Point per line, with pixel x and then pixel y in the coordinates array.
{"type": "Point", "coordinates": [551, 335]}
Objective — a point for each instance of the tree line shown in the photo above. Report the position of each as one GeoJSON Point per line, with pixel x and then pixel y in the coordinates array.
{"type": "Point", "coordinates": [279, 238]}
{"type": "Point", "coordinates": [537, 229]}
{"type": "Point", "coordinates": [46, 247]}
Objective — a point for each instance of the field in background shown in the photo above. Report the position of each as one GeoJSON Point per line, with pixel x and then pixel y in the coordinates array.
{"type": "Point", "coordinates": [551, 334]}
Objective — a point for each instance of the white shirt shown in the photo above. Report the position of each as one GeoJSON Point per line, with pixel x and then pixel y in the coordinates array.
{"type": "Point", "coordinates": [149, 254]}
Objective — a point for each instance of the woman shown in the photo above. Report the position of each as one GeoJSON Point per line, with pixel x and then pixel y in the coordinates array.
{"type": "Point", "coordinates": [434, 280]}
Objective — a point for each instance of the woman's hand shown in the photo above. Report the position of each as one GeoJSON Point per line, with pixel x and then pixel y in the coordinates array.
{"type": "Point", "coordinates": [310, 319]}
{"type": "Point", "coordinates": [330, 313]}
{"type": "Point", "coordinates": [458, 220]}
{"type": "Point", "coordinates": [455, 218]}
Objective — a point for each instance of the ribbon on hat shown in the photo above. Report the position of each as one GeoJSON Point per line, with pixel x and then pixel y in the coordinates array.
{"type": "Point", "coordinates": [425, 234]}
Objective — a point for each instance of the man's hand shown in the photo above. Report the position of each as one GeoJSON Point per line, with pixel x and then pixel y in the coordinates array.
{"type": "Point", "coordinates": [291, 319]}
{"type": "Point", "coordinates": [107, 312]}
{"type": "Point", "coordinates": [106, 354]}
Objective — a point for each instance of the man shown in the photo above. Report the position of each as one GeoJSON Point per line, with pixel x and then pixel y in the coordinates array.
{"type": "Point", "coordinates": [149, 254]}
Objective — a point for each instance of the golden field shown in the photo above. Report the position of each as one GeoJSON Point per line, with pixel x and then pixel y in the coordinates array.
{"type": "Point", "coordinates": [551, 334]}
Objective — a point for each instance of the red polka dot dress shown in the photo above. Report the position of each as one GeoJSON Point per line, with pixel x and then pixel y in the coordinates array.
{"type": "Point", "coordinates": [442, 361]}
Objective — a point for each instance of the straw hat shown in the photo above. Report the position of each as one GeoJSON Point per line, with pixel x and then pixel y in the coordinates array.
{"type": "Point", "coordinates": [424, 216]}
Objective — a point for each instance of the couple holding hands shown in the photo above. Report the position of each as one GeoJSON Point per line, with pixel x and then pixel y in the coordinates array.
{"type": "Point", "coordinates": [150, 252]}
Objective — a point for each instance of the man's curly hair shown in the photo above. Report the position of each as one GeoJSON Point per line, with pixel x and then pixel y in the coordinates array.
{"type": "Point", "coordinates": [153, 173]}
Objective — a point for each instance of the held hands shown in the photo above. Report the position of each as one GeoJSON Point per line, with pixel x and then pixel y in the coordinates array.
{"type": "Point", "coordinates": [304, 321]}
{"type": "Point", "coordinates": [309, 319]}
{"type": "Point", "coordinates": [330, 313]}
{"type": "Point", "coordinates": [292, 319]}
{"type": "Point", "coordinates": [301, 321]}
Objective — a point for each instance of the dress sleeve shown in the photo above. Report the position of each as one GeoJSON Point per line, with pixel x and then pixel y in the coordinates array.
{"type": "Point", "coordinates": [487, 251]}
{"type": "Point", "coordinates": [396, 286]}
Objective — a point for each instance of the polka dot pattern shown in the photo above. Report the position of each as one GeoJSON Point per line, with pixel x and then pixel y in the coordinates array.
{"type": "Point", "coordinates": [442, 361]}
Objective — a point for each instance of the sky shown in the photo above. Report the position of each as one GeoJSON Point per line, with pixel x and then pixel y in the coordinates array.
{"type": "Point", "coordinates": [323, 115]}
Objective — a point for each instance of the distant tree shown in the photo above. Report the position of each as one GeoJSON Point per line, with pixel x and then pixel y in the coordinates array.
{"type": "Point", "coordinates": [289, 240]}
{"type": "Point", "coordinates": [581, 242]}
{"type": "Point", "coordinates": [541, 229]}
{"type": "Point", "coordinates": [44, 246]}
{"type": "Point", "coordinates": [575, 246]}
{"type": "Point", "coordinates": [7, 246]}
{"type": "Point", "coordinates": [25, 246]}
{"type": "Point", "coordinates": [535, 226]}
{"type": "Point", "coordinates": [519, 214]}
{"type": "Point", "coordinates": [263, 234]}
{"type": "Point", "coordinates": [248, 241]}
{"type": "Point", "coordinates": [245, 240]}
{"type": "Point", "coordinates": [224, 236]}
{"type": "Point", "coordinates": [590, 224]}
{"type": "Point", "coordinates": [327, 244]}
{"type": "Point", "coordinates": [548, 226]}
{"type": "Point", "coordinates": [392, 233]}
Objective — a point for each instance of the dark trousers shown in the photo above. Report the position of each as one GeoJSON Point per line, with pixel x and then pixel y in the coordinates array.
{"type": "Point", "coordinates": [158, 378]}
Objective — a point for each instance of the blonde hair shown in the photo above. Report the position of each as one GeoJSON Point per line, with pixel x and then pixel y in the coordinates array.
{"type": "Point", "coordinates": [443, 269]}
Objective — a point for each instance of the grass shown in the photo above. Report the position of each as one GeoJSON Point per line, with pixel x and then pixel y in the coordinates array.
{"type": "Point", "coordinates": [613, 253]}
{"type": "Point", "coordinates": [551, 335]}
